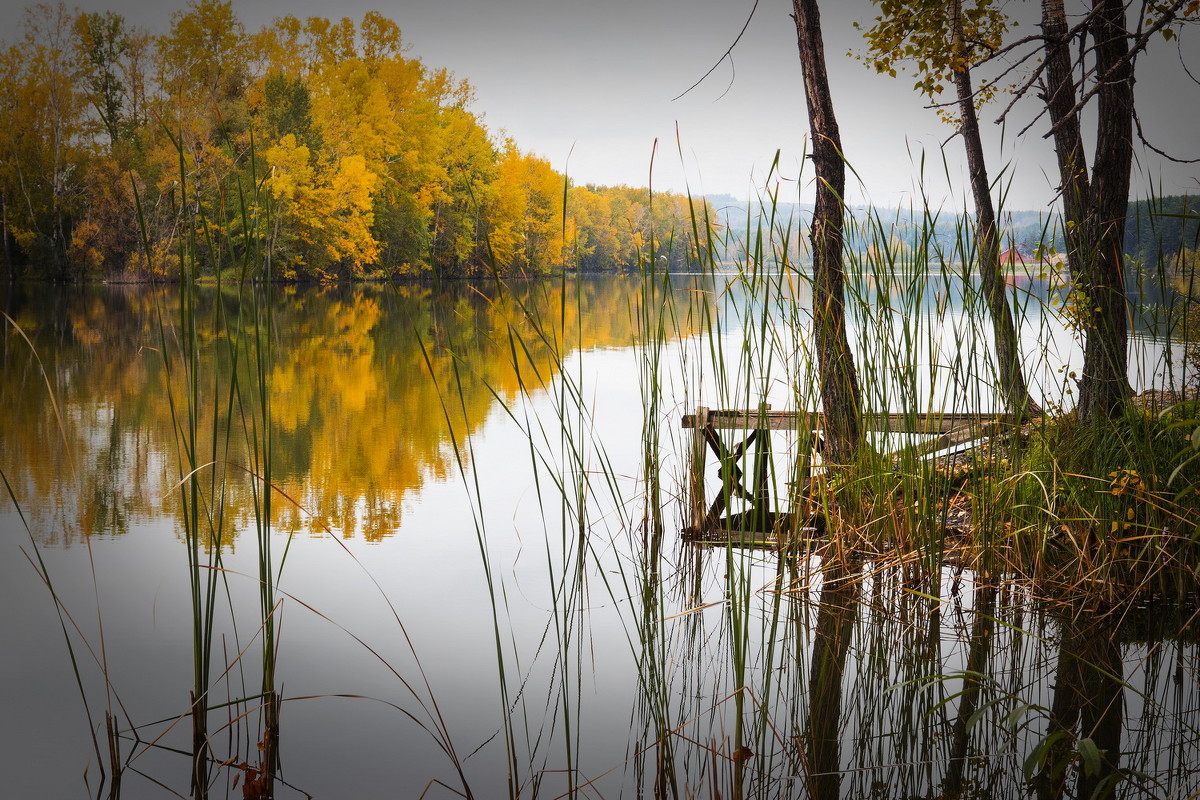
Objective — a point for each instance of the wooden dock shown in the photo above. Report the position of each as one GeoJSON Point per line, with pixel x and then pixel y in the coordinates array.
{"type": "Point", "coordinates": [711, 428]}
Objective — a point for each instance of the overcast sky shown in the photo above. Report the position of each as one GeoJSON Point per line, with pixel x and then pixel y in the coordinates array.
{"type": "Point", "coordinates": [589, 85]}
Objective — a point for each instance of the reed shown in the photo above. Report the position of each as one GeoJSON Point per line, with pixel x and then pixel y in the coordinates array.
{"type": "Point", "coordinates": [946, 629]}
{"type": "Point", "coordinates": [775, 679]}
{"type": "Point", "coordinates": [222, 421]}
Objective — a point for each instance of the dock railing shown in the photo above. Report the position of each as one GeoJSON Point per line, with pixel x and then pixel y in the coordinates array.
{"type": "Point", "coordinates": [709, 426]}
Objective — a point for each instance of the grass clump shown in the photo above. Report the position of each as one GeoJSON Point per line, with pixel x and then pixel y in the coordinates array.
{"type": "Point", "coordinates": [1109, 510]}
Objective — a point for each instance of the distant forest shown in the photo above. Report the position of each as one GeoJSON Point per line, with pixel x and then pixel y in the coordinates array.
{"type": "Point", "coordinates": [1157, 230]}
{"type": "Point", "coordinates": [123, 151]}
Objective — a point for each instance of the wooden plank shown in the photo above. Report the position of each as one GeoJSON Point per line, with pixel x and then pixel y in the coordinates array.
{"type": "Point", "coordinates": [750, 420]}
{"type": "Point", "coordinates": [696, 502]}
{"type": "Point", "coordinates": [949, 430]}
{"type": "Point", "coordinates": [934, 423]}
{"type": "Point", "coordinates": [762, 461]}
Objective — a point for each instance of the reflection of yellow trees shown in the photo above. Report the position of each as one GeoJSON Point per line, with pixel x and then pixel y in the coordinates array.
{"type": "Point", "coordinates": [354, 380]}
{"type": "Point", "coordinates": [85, 469]}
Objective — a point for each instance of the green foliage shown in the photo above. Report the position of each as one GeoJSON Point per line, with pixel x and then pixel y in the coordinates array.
{"type": "Point", "coordinates": [103, 42]}
{"type": "Point", "coordinates": [287, 108]}
{"type": "Point", "coordinates": [1184, 421]}
{"type": "Point", "coordinates": [921, 35]}
{"type": "Point", "coordinates": [1117, 496]}
{"type": "Point", "coordinates": [1158, 228]}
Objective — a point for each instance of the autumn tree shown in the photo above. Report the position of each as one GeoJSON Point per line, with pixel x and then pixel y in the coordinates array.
{"type": "Point", "coordinates": [840, 396]}
{"type": "Point", "coordinates": [196, 142]}
{"type": "Point", "coordinates": [364, 160]}
{"type": "Point", "coordinates": [322, 212]}
{"type": "Point", "coordinates": [526, 231]}
{"type": "Point", "coordinates": [203, 68]}
{"type": "Point", "coordinates": [103, 43]}
{"type": "Point", "coordinates": [943, 41]}
{"type": "Point", "coordinates": [43, 122]}
{"type": "Point", "coordinates": [586, 240]}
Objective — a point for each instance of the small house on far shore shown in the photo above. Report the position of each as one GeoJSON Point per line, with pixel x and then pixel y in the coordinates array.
{"type": "Point", "coordinates": [1020, 261]}
{"type": "Point", "coordinates": [1017, 256]}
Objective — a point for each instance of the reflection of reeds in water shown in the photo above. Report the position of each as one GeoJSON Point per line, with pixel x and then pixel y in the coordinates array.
{"type": "Point", "coordinates": [889, 658]}
{"type": "Point", "coordinates": [209, 466]}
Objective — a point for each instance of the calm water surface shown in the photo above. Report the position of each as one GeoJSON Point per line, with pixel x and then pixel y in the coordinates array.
{"type": "Point", "coordinates": [424, 441]}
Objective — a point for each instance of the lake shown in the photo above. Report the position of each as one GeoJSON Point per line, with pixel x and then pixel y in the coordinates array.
{"type": "Point", "coordinates": [477, 494]}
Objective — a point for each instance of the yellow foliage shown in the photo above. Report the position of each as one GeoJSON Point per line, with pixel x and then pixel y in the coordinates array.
{"type": "Point", "coordinates": [350, 190]}
{"type": "Point", "coordinates": [328, 206]}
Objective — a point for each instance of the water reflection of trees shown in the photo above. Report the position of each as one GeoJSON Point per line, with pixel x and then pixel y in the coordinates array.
{"type": "Point", "coordinates": [360, 427]}
{"type": "Point", "coordinates": [870, 687]}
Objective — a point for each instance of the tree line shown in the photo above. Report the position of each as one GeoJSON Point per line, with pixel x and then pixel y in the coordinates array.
{"type": "Point", "coordinates": [1161, 229]}
{"type": "Point", "coordinates": [317, 138]}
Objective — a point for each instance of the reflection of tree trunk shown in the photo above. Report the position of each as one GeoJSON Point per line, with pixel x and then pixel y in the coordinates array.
{"type": "Point", "coordinates": [1088, 694]}
{"type": "Point", "coordinates": [1008, 355]}
{"type": "Point", "coordinates": [1101, 713]}
{"type": "Point", "coordinates": [831, 641]}
{"type": "Point", "coordinates": [839, 379]}
{"type": "Point", "coordinates": [1095, 209]}
{"type": "Point", "coordinates": [979, 650]}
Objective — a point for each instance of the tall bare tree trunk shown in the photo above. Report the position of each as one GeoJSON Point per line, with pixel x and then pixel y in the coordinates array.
{"type": "Point", "coordinates": [840, 398]}
{"type": "Point", "coordinates": [1013, 389]}
{"type": "Point", "coordinates": [1106, 364]}
{"type": "Point", "coordinates": [1095, 209]}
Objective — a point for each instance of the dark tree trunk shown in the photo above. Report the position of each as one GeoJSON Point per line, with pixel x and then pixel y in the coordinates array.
{"type": "Point", "coordinates": [838, 377]}
{"type": "Point", "coordinates": [1008, 353]}
{"type": "Point", "coordinates": [1095, 209]}
{"type": "Point", "coordinates": [834, 631]}
{"type": "Point", "coordinates": [1105, 373]}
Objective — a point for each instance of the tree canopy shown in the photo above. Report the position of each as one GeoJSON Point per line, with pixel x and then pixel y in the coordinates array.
{"type": "Point", "coordinates": [319, 137]}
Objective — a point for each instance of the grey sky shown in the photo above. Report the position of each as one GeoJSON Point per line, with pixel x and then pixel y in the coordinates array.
{"type": "Point", "coordinates": [588, 85]}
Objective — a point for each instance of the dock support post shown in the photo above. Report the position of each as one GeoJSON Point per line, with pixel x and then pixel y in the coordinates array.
{"type": "Point", "coordinates": [762, 464]}
{"type": "Point", "coordinates": [698, 508]}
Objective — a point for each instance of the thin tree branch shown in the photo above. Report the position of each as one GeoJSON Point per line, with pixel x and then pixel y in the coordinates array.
{"type": "Point", "coordinates": [728, 54]}
{"type": "Point", "coordinates": [1137, 121]}
{"type": "Point", "coordinates": [1182, 63]}
{"type": "Point", "coordinates": [1079, 28]}
{"type": "Point", "coordinates": [1138, 46]}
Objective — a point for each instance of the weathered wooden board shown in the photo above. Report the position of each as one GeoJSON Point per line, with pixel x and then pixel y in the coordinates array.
{"type": "Point", "coordinates": [949, 430]}
{"type": "Point", "coordinates": [937, 422]}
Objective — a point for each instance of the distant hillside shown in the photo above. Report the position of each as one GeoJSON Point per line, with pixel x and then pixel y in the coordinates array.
{"type": "Point", "coordinates": [1156, 229]}
{"type": "Point", "coordinates": [747, 222]}
{"type": "Point", "coordinates": [1159, 228]}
